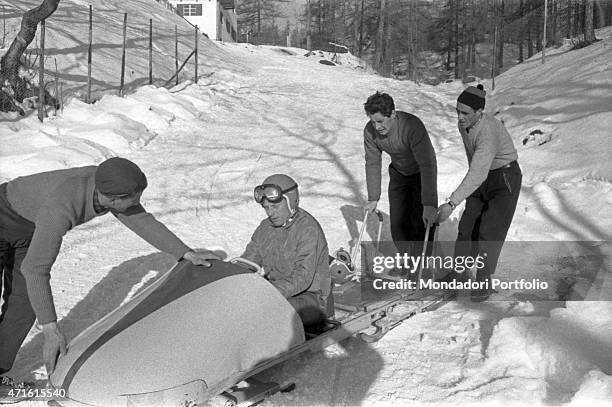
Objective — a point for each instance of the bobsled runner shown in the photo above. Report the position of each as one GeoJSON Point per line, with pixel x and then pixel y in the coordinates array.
{"type": "Point", "coordinates": [200, 335]}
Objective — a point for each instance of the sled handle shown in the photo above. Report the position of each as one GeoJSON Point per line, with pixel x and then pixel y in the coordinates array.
{"type": "Point", "coordinates": [380, 225]}
{"type": "Point", "coordinates": [423, 251]}
{"type": "Point", "coordinates": [248, 264]}
{"type": "Point", "coordinates": [363, 227]}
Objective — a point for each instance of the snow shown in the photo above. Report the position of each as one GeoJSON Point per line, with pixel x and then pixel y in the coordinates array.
{"type": "Point", "coordinates": [257, 110]}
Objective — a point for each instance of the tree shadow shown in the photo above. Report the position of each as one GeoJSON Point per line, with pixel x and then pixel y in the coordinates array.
{"type": "Point", "coordinates": [567, 212]}
{"type": "Point", "coordinates": [108, 294]}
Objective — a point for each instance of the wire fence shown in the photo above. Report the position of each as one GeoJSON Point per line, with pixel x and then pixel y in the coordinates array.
{"type": "Point", "coordinates": [142, 42]}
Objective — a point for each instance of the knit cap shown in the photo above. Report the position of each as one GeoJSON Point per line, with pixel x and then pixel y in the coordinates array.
{"type": "Point", "coordinates": [473, 97]}
{"type": "Point", "coordinates": [118, 176]}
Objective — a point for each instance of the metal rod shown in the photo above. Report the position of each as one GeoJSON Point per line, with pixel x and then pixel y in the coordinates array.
{"type": "Point", "coordinates": [422, 260]}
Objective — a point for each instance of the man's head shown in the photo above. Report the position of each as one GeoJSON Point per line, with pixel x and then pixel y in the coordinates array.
{"type": "Point", "coordinates": [278, 195]}
{"type": "Point", "coordinates": [380, 108]}
{"type": "Point", "coordinates": [119, 183]}
{"type": "Point", "coordinates": [470, 104]}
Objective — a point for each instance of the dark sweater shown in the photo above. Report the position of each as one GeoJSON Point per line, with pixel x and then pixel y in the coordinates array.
{"type": "Point", "coordinates": [411, 152]}
{"type": "Point", "coordinates": [57, 201]}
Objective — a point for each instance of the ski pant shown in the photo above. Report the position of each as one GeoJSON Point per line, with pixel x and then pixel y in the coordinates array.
{"type": "Point", "coordinates": [487, 217]}
{"type": "Point", "coordinates": [16, 313]}
{"type": "Point", "coordinates": [312, 308]}
{"type": "Point", "coordinates": [406, 213]}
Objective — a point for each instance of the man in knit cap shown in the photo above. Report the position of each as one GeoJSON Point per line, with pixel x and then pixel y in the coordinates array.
{"type": "Point", "coordinates": [490, 188]}
{"type": "Point", "coordinates": [413, 195]}
{"type": "Point", "coordinates": [36, 211]}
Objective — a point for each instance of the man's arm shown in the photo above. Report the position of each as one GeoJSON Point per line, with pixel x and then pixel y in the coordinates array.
{"type": "Point", "coordinates": [486, 147]}
{"type": "Point", "coordinates": [300, 278]}
{"type": "Point", "coordinates": [46, 242]}
{"type": "Point", "coordinates": [144, 224]}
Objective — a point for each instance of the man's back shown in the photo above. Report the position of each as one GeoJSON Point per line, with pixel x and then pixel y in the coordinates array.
{"type": "Point", "coordinates": [72, 186]}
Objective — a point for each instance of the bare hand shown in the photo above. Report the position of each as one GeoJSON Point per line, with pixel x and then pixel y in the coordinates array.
{"type": "Point", "coordinates": [201, 257]}
{"type": "Point", "coordinates": [444, 212]}
{"type": "Point", "coordinates": [54, 345]}
{"type": "Point", "coordinates": [370, 206]}
{"type": "Point", "coordinates": [430, 215]}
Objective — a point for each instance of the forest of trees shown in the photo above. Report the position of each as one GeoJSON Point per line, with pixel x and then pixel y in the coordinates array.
{"type": "Point", "coordinates": [399, 37]}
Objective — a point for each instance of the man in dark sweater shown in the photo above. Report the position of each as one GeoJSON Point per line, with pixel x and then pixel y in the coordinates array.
{"type": "Point", "coordinates": [36, 211]}
{"type": "Point", "coordinates": [413, 196]}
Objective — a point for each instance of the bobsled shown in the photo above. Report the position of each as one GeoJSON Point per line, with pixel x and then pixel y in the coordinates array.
{"type": "Point", "coordinates": [201, 335]}
{"type": "Point", "coordinates": [180, 337]}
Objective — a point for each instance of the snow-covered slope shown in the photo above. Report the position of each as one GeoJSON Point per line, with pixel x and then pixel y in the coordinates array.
{"type": "Point", "coordinates": [204, 146]}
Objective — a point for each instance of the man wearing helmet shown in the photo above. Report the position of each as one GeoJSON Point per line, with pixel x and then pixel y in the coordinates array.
{"type": "Point", "coordinates": [413, 196]}
{"type": "Point", "coordinates": [291, 247]}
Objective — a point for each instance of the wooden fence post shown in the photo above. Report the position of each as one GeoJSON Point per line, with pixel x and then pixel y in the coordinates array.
{"type": "Point", "coordinates": [123, 54]}
{"type": "Point", "coordinates": [41, 74]}
{"type": "Point", "coordinates": [56, 88]}
{"type": "Point", "coordinates": [150, 51]}
{"type": "Point", "coordinates": [196, 54]}
{"type": "Point", "coordinates": [89, 52]}
{"type": "Point", "coordinates": [176, 61]}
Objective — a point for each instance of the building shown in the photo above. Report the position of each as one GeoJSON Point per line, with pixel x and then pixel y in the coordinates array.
{"type": "Point", "coordinates": [215, 18]}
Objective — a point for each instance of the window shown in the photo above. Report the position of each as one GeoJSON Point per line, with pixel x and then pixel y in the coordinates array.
{"type": "Point", "coordinates": [190, 9]}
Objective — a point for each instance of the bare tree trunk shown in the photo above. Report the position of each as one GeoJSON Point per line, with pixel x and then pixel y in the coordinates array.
{"type": "Point", "coordinates": [554, 23]}
{"type": "Point", "coordinates": [589, 32]}
{"type": "Point", "coordinates": [308, 27]}
{"type": "Point", "coordinates": [10, 61]}
{"type": "Point", "coordinates": [500, 59]}
{"type": "Point", "coordinates": [356, 27]}
{"type": "Point", "coordinates": [521, 30]}
{"type": "Point", "coordinates": [450, 36]}
{"type": "Point", "coordinates": [381, 35]}
{"type": "Point", "coordinates": [361, 13]}
{"type": "Point", "coordinates": [456, 35]}
{"type": "Point", "coordinates": [529, 33]}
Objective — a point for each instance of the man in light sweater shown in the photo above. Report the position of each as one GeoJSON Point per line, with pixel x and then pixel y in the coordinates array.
{"type": "Point", "coordinates": [36, 211]}
{"type": "Point", "coordinates": [490, 188]}
{"type": "Point", "coordinates": [413, 195]}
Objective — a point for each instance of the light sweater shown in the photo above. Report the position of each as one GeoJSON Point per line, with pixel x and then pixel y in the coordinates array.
{"type": "Point", "coordinates": [57, 201]}
{"type": "Point", "coordinates": [488, 146]}
{"type": "Point", "coordinates": [411, 153]}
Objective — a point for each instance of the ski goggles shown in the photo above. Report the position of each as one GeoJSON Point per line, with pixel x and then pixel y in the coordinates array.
{"type": "Point", "coordinates": [271, 192]}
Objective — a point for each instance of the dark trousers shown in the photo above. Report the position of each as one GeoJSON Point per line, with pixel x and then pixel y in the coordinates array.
{"type": "Point", "coordinates": [312, 309]}
{"type": "Point", "coordinates": [16, 314]}
{"type": "Point", "coordinates": [487, 217]}
{"type": "Point", "coordinates": [406, 213]}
